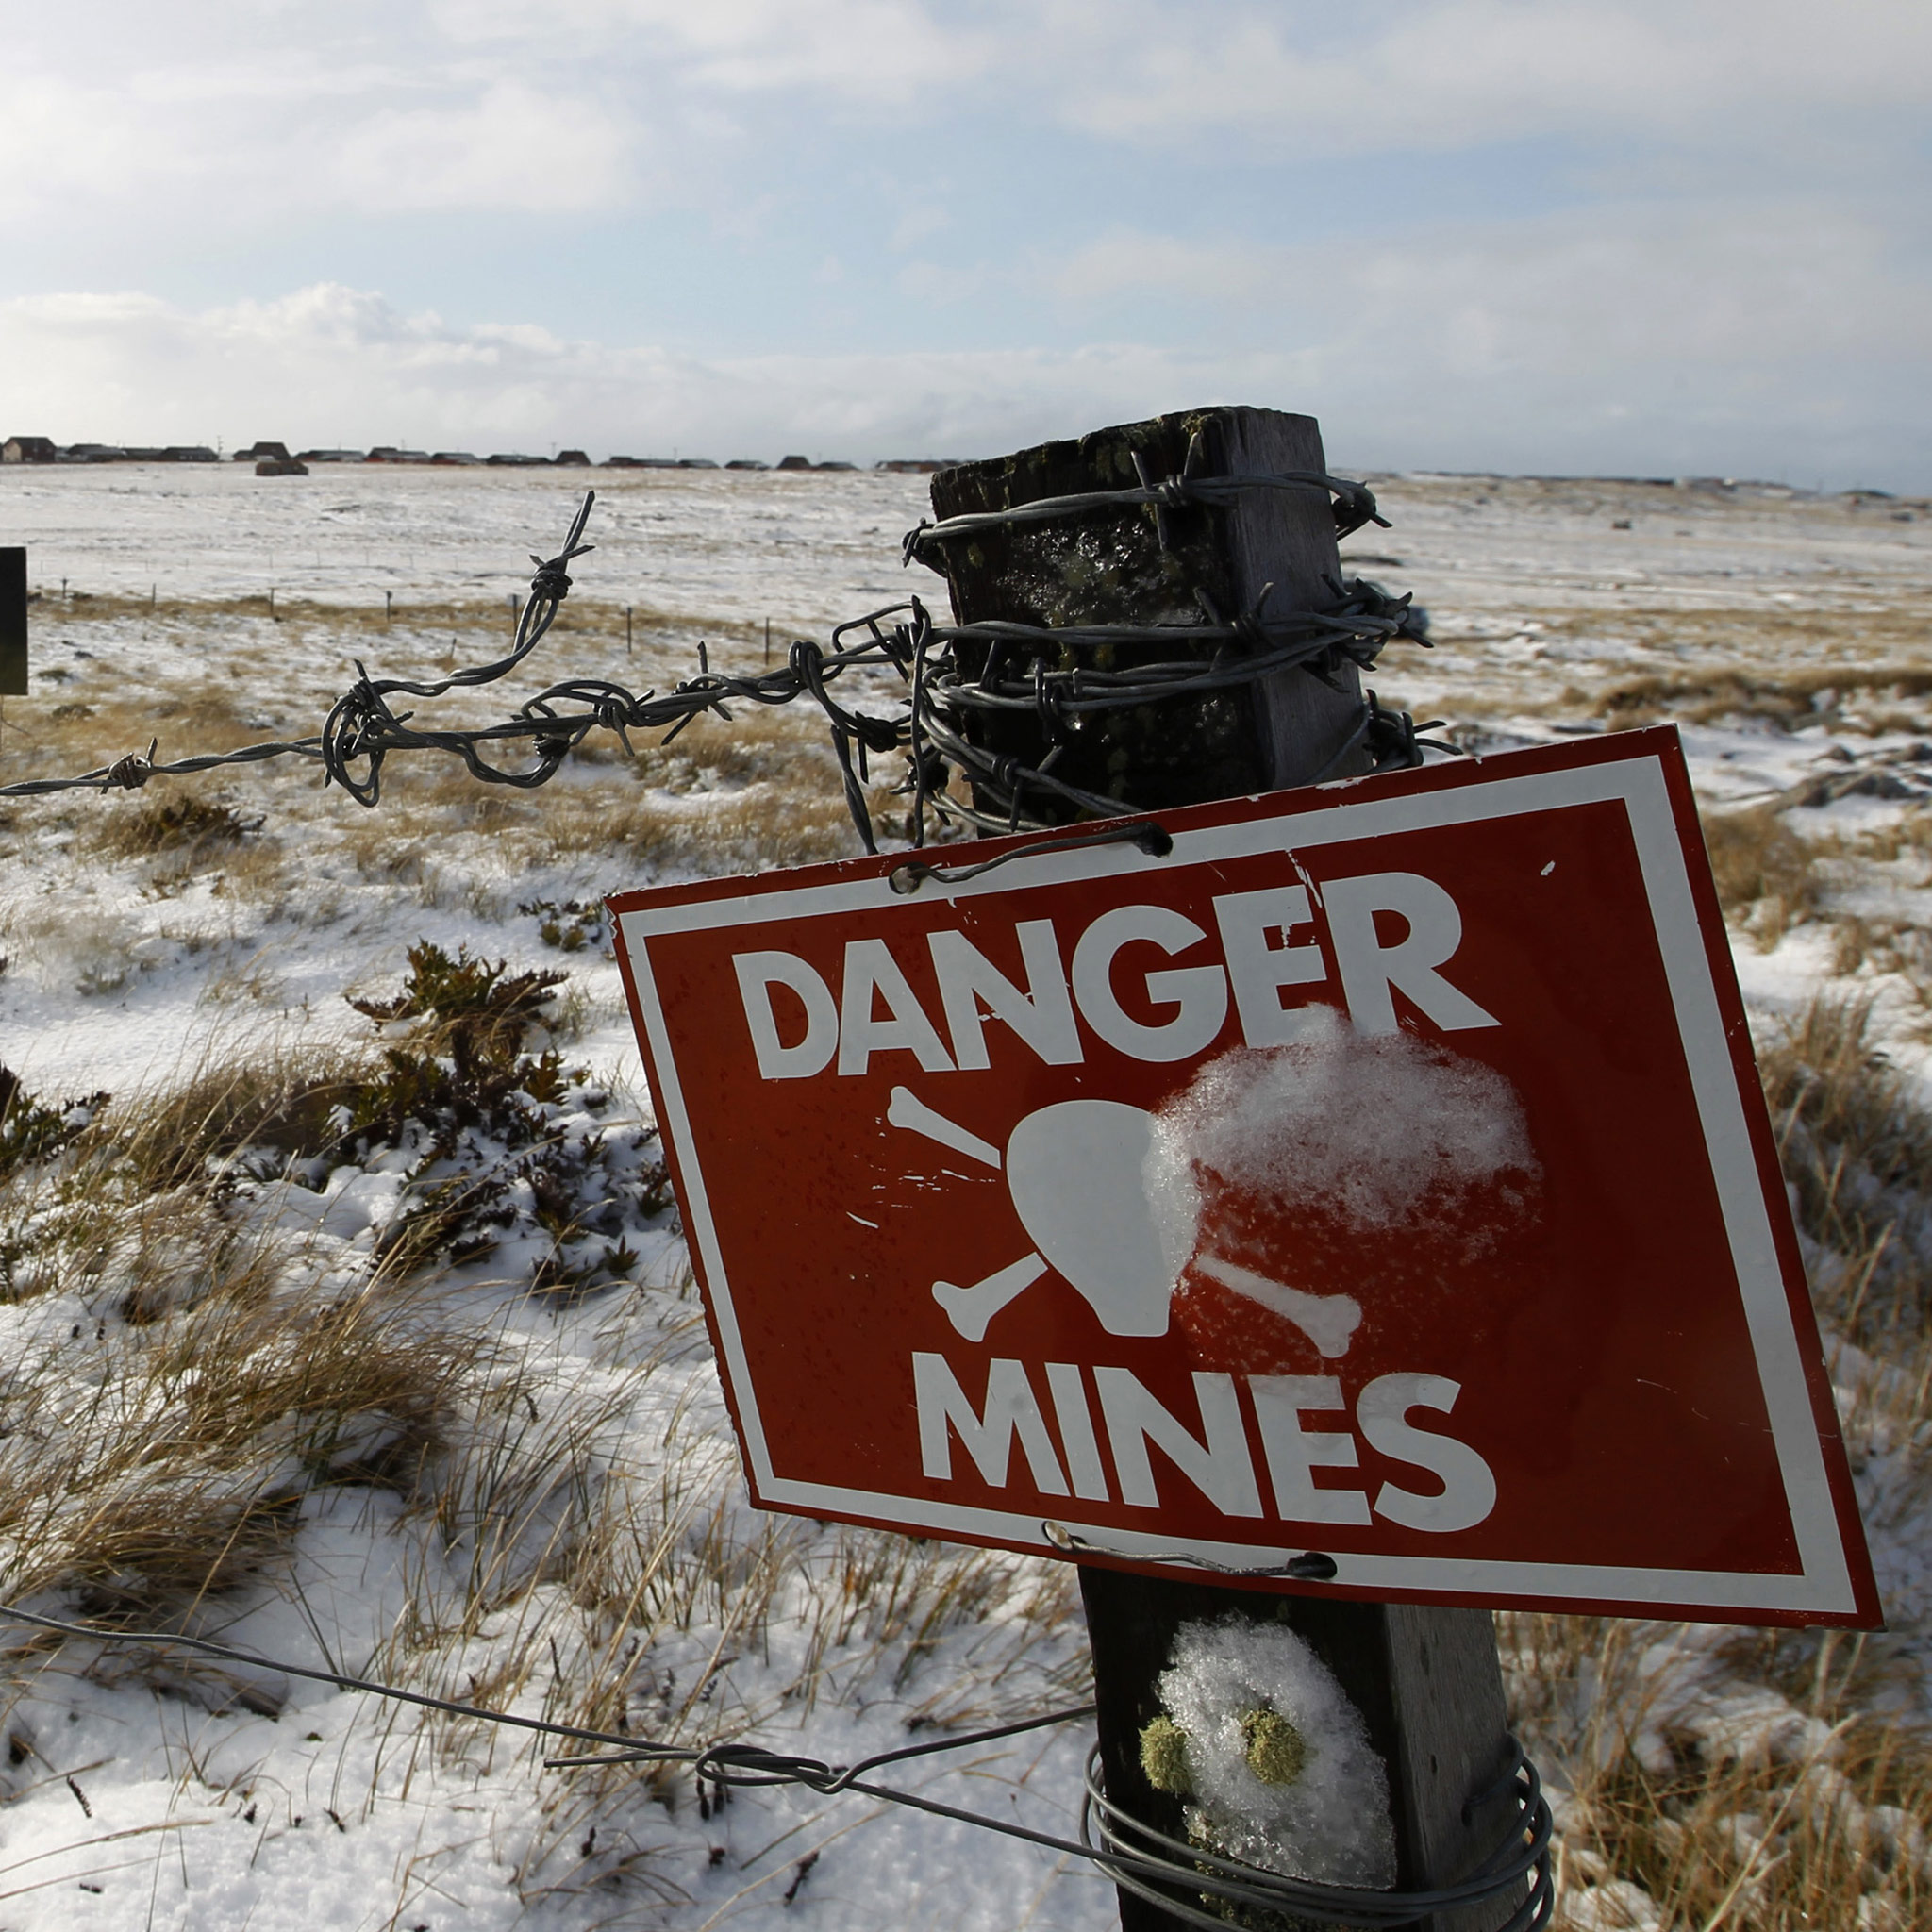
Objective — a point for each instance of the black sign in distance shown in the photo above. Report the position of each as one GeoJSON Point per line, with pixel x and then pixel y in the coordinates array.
{"type": "Point", "coordinates": [12, 622]}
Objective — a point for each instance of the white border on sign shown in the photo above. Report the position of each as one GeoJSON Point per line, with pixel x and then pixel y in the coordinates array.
{"type": "Point", "coordinates": [1823, 1586]}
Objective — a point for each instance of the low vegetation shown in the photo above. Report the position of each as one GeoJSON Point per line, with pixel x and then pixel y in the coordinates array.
{"type": "Point", "coordinates": [196, 1367]}
{"type": "Point", "coordinates": [1766, 875]}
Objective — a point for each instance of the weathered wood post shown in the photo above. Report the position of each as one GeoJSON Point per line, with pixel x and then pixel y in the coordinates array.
{"type": "Point", "coordinates": [12, 622]}
{"type": "Point", "coordinates": [1427, 1680]}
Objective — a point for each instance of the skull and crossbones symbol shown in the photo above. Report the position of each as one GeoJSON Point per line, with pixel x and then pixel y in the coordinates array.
{"type": "Point", "coordinates": [1078, 1175]}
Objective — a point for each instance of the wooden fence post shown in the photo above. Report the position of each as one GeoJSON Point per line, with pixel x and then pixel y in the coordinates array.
{"type": "Point", "coordinates": [13, 603]}
{"type": "Point", "coordinates": [1425, 1680]}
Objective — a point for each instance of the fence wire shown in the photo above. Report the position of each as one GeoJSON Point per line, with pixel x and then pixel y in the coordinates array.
{"type": "Point", "coordinates": [1180, 1878]}
{"type": "Point", "coordinates": [953, 679]}
{"type": "Point", "coordinates": [1064, 677]}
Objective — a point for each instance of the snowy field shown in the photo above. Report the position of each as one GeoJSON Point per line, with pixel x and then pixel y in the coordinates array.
{"type": "Point", "coordinates": [431, 1399]}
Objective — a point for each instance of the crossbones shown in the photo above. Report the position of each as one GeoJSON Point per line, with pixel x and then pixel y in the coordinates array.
{"type": "Point", "coordinates": [1077, 1175]}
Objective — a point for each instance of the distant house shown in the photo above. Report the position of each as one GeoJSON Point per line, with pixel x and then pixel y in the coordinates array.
{"type": "Point", "coordinates": [696, 463]}
{"type": "Point", "coordinates": [573, 459]}
{"type": "Point", "coordinates": [27, 449]}
{"type": "Point", "coordinates": [330, 456]}
{"type": "Point", "coordinates": [516, 462]}
{"type": "Point", "coordinates": [264, 453]}
{"type": "Point", "coordinates": [794, 463]}
{"type": "Point", "coordinates": [94, 453]}
{"type": "Point", "coordinates": [746, 463]}
{"type": "Point", "coordinates": [834, 466]}
{"type": "Point", "coordinates": [189, 453]}
{"type": "Point", "coordinates": [623, 464]}
{"type": "Point", "coordinates": [386, 453]}
{"type": "Point", "coordinates": [454, 456]}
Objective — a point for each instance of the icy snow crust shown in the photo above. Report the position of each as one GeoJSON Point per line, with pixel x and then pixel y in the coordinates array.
{"type": "Point", "coordinates": [1365, 1127]}
{"type": "Point", "coordinates": [1332, 1823]}
{"type": "Point", "coordinates": [340, 1813]}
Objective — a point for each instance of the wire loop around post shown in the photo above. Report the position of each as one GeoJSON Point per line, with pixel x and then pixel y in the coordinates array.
{"type": "Point", "coordinates": [1134, 1855]}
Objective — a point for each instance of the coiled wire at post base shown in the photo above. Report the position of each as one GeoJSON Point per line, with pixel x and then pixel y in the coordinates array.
{"type": "Point", "coordinates": [1151, 1864]}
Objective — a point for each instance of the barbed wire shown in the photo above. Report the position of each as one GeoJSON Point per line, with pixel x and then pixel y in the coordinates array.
{"type": "Point", "coordinates": [1170, 1871]}
{"type": "Point", "coordinates": [952, 675]}
{"type": "Point", "coordinates": [1354, 503]}
{"type": "Point", "coordinates": [1014, 669]}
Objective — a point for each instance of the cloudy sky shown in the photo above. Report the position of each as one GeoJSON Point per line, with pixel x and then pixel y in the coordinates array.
{"type": "Point", "coordinates": [1651, 236]}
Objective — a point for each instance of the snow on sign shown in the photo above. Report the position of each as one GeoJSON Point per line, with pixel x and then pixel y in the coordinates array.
{"type": "Point", "coordinates": [1381, 1173]}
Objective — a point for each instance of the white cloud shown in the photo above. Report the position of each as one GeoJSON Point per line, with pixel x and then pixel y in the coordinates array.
{"type": "Point", "coordinates": [313, 365]}
{"type": "Point", "coordinates": [1778, 336]}
{"type": "Point", "coordinates": [59, 141]}
{"type": "Point", "coordinates": [1497, 364]}
{"type": "Point", "coordinates": [917, 223]}
{"type": "Point", "coordinates": [513, 147]}
{"type": "Point", "coordinates": [1451, 73]}
{"type": "Point", "coordinates": [876, 50]}
{"type": "Point", "coordinates": [1743, 269]}
{"type": "Point", "coordinates": [202, 112]}
{"type": "Point", "coordinates": [1602, 292]}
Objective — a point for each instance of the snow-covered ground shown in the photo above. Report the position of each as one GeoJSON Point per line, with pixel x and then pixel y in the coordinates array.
{"type": "Point", "coordinates": [586, 1529]}
{"type": "Point", "coordinates": [739, 545]}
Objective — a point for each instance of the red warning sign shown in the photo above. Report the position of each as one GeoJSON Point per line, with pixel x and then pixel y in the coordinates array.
{"type": "Point", "coordinates": [1371, 1185]}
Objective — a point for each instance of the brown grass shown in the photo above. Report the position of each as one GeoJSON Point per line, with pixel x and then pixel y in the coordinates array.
{"type": "Point", "coordinates": [155, 1456]}
{"type": "Point", "coordinates": [1798, 1811]}
{"type": "Point", "coordinates": [192, 828]}
{"type": "Point", "coordinates": [275, 1105]}
{"type": "Point", "coordinates": [1858, 1151]}
{"type": "Point", "coordinates": [1765, 872]}
{"type": "Point", "coordinates": [721, 798]}
{"type": "Point", "coordinates": [1786, 698]}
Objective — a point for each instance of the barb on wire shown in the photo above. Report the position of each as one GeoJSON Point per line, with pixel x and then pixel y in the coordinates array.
{"type": "Point", "coordinates": [1179, 1876]}
{"type": "Point", "coordinates": [956, 681]}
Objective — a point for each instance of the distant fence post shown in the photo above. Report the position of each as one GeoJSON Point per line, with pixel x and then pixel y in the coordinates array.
{"type": "Point", "coordinates": [1427, 1680]}
{"type": "Point", "coordinates": [13, 623]}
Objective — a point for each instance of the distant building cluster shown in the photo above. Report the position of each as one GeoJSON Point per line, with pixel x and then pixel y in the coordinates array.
{"type": "Point", "coordinates": [275, 459]}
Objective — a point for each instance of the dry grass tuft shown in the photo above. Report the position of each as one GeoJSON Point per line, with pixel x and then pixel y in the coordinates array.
{"type": "Point", "coordinates": [280, 1107]}
{"type": "Point", "coordinates": [186, 824]}
{"type": "Point", "coordinates": [1728, 1779]}
{"type": "Point", "coordinates": [1858, 1151]}
{"type": "Point", "coordinates": [144, 1470]}
{"type": "Point", "coordinates": [1785, 699]}
{"type": "Point", "coordinates": [168, 1400]}
{"type": "Point", "coordinates": [1765, 872]}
